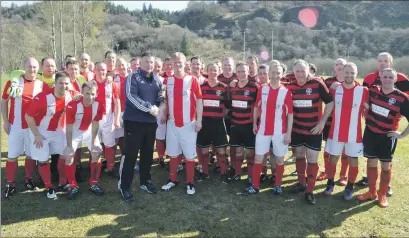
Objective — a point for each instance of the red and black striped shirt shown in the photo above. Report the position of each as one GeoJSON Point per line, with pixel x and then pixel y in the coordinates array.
{"type": "Point", "coordinates": [307, 101]}
{"type": "Point", "coordinates": [225, 80]}
{"type": "Point", "coordinates": [214, 99]}
{"type": "Point", "coordinates": [373, 79]}
{"type": "Point", "coordinates": [385, 110]}
{"type": "Point", "coordinates": [242, 103]}
{"type": "Point", "coordinates": [289, 78]}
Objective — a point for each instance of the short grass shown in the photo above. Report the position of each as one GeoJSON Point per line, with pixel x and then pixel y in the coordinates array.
{"type": "Point", "coordinates": [215, 210]}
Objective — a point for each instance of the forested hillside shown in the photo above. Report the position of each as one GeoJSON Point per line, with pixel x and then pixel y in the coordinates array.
{"type": "Point", "coordinates": [358, 30]}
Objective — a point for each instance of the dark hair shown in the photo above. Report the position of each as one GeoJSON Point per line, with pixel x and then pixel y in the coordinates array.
{"type": "Point", "coordinates": [313, 68]}
{"type": "Point", "coordinates": [108, 52]}
{"type": "Point", "coordinates": [89, 84]}
{"type": "Point", "coordinates": [68, 56]}
{"type": "Point", "coordinates": [147, 54]}
{"type": "Point", "coordinates": [263, 66]}
{"type": "Point", "coordinates": [253, 58]}
{"type": "Point", "coordinates": [61, 74]}
{"type": "Point", "coordinates": [195, 58]}
{"type": "Point", "coordinates": [133, 59]}
{"type": "Point", "coordinates": [167, 59]}
{"type": "Point", "coordinates": [44, 59]}
{"type": "Point", "coordinates": [69, 62]}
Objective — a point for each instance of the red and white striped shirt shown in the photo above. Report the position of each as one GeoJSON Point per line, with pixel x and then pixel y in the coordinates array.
{"type": "Point", "coordinates": [81, 116]}
{"type": "Point", "coordinates": [120, 83]}
{"type": "Point", "coordinates": [347, 113]}
{"type": "Point", "coordinates": [88, 75]}
{"type": "Point", "coordinates": [276, 104]}
{"type": "Point", "coordinates": [19, 105]}
{"type": "Point", "coordinates": [107, 92]}
{"type": "Point", "coordinates": [47, 110]}
{"type": "Point", "coordinates": [181, 97]}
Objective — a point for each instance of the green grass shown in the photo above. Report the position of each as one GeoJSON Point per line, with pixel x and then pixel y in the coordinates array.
{"type": "Point", "coordinates": [215, 210]}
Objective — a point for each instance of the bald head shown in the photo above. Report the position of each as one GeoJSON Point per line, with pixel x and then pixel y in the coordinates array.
{"type": "Point", "coordinates": [31, 68]}
{"type": "Point", "coordinates": [85, 60]}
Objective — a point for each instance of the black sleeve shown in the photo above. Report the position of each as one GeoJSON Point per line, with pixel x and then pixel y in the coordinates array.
{"type": "Point", "coordinates": [403, 85]}
{"type": "Point", "coordinates": [324, 93]}
{"type": "Point", "coordinates": [365, 84]}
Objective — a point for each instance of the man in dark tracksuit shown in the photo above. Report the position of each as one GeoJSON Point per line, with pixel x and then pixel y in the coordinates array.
{"type": "Point", "coordinates": [144, 96]}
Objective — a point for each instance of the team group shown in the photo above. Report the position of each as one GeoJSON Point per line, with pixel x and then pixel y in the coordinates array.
{"type": "Point", "coordinates": [255, 110]}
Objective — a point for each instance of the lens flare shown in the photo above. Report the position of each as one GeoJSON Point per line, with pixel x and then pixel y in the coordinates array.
{"type": "Point", "coordinates": [264, 55]}
{"type": "Point", "coordinates": [308, 17]}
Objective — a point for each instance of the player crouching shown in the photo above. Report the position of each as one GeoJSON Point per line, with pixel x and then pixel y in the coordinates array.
{"type": "Point", "coordinates": [46, 132]}
{"type": "Point", "coordinates": [83, 118]}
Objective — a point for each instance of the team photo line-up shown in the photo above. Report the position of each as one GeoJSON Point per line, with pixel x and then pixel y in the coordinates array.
{"type": "Point", "coordinates": [192, 111]}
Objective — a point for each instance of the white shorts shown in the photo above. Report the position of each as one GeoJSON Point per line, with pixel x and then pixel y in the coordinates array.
{"type": "Point", "coordinates": [181, 140]}
{"type": "Point", "coordinates": [161, 131]}
{"type": "Point", "coordinates": [120, 131]}
{"type": "Point", "coordinates": [53, 144]}
{"type": "Point", "coordinates": [351, 149]}
{"type": "Point", "coordinates": [18, 142]}
{"type": "Point", "coordinates": [263, 145]}
{"type": "Point", "coordinates": [79, 137]}
{"type": "Point", "coordinates": [106, 131]}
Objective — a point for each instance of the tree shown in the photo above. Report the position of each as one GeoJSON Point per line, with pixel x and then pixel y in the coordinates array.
{"type": "Point", "coordinates": [185, 46]}
{"type": "Point", "coordinates": [150, 8]}
{"type": "Point", "coordinates": [144, 9]}
{"type": "Point", "coordinates": [60, 11]}
{"type": "Point", "coordinates": [74, 24]}
{"type": "Point", "coordinates": [46, 16]}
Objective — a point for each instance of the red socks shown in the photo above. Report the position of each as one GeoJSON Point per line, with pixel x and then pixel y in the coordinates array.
{"type": "Point", "coordinates": [279, 174]}
{"type": "Point", "coordinates": [332, 169]}
{"type": "Point", "coordinates": [62, 171]}
{"type": "Point", "coordinates": [70, 171]}
{"type": "Point", "coordinates": [11, 171]}
{"type": "Point", "coordinates": [222, 162]}
{"type": "Point", "coordinates": [110, 157]}
{"type": "Point", "coordinates": [300, 165]}
{"type": "Point", "coordinates": [256, 174]}
{"type": "Point", "coordinates": [173, 167]}
{"type": "Point", "coordinates": [372, 173]}
{"type": "Point", "coordinates": [45, 174]}
{"type": "Point", "coordinates": [238, 163]}
{"type": "Point", "coordinates": [160, 148]}
{"type": "Point", "coordinates": [312, 171]}
{"type": "Point", "coordinates": [326, 161]}
{"type": "Point", "coordinates": [30, 166]}
{"type": "Point", "coordinates": [344, 165]}
{"type": "Point", "coordinates": [205, 163]}
{"type": "Point", "coordinates": [352, 174]}
{"type": "Point", "coordinates": [95, 169]}
{"type": "Point", "coordinates": [190, 171]}
{"type": "Point", "coordinates": [386, 176]}
{"type": "Point", "coordinates": [250, 163]}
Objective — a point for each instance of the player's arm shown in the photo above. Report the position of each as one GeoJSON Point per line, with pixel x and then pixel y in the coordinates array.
{"type": "Point", "coordinates": [256, 111]}
{"type": "Point", "coordinates": [38, 138]}
{"type": "Point", "coordinates": [5, 108]}
{"type": "Point", "coordinates": [94, 132]}
{"type": "Point", "coordinates": [327, 99]}
{"type": "Point", "coordinates": [199, 103]}
{"type": "Point", "coordinates": [290, 116]}
{"type": "Point", "coordinates": [117, 105]}
{"type": "Point", "coordinates": [404, 111]}
{"type": "Point", "coordinates": [69, 151]}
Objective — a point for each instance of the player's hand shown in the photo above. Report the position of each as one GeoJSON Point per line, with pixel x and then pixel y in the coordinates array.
{"type": "Point", "coordinates": [68, 151]}
{"type": "Point", "coordinates": [394, 135]}
{"type": "Point", "coordinates": [6, 127]}
{"type": "Point", "coordinates": [287, 138]}
{"type": "Point", "coordinates": [318, 128]}
{"type": "Point", "coordinates": [198, 126]}
{"type": "Point", "coordinates": [255, 128]}
{"type": "Point", "coordinates": [335, 85]}
{"type": "Point", "coordinates": [117, 124]}
{"type": "Point", "coordinates": [233, 83]}
{"type": "Point", "coordinates": [96, 148]}
{"type": "Point", "coordinates": [77, 97]}
{"type": "Point", "coordinates": [366, 106]}
{"type": "Point", "coordinates": [109, 79]}
{"type": "Point", "coordinates": [38, 141]}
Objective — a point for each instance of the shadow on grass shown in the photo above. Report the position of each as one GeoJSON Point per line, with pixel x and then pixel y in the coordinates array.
{"type": "Point", "coordinates": [215, 210]}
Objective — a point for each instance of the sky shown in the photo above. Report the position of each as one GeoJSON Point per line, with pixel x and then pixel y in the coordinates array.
{"type": "Point", "coordinates": [131, 5]}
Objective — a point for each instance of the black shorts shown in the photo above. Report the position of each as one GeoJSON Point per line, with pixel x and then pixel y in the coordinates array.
{"type": "Point", "coordinates": [213, 132]}
{"type": "Point", "coordinates": [325, 132]}
{"type": "Point", "coordinates": [312, 142]}
{"type": "Point", "coordinates": [378, 146]}
{"type": "Point", "coordinates": [242, 135]}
